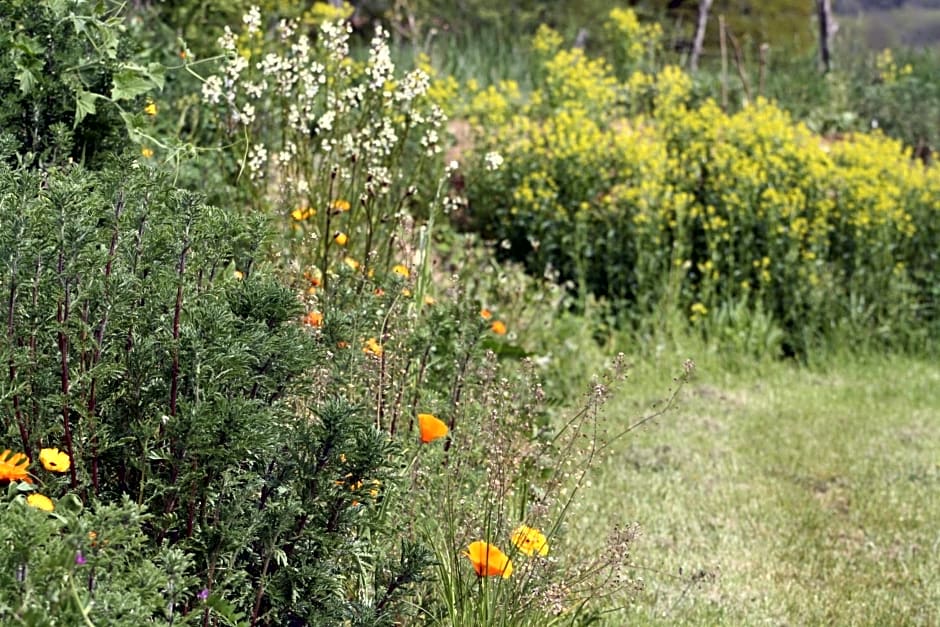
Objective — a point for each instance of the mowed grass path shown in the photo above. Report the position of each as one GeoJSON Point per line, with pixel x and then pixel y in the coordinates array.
{"type": "Point", "coordinates": [794, 496]}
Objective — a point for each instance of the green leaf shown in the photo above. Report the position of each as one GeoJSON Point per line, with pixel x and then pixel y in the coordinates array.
{"type": "Point", "coordinates": [134, 80]}
{"type": "Point", "coordinates": [226, 611]}
{"type": "Point", "coordinates": [29, 45]}
{"type": "Point", "coordinates": [26, 79]}
{"type": "Point", "coordinates": [70, 504]}
{"type": "Point", "coordinates": [84, 105]}
{"type": "Point", "coordinates": [129, 84]}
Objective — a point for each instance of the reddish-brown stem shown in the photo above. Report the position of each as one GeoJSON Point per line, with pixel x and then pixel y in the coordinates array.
{"type": "Point", "coordinates": [417, 391]}
{"type": "Point", "coordinates": [177, 314]}
{"type": "Point", "coordinates": [62, 316]}
{"type": "Point", "coordinates": [99, 338]}
{"type": "Point", "coordinates": [24, 433]}
{"type": "Point", "coordinates": [260, 594]}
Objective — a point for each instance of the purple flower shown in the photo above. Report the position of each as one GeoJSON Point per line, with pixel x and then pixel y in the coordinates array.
{"type": "Point", "coordinates": [203, 594]}
{"type": "Point", "coordinates": [79, 558]}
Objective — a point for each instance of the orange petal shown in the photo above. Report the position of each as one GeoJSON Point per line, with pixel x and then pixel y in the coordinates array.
{"type": "Point", "coordinates": [431, 427]}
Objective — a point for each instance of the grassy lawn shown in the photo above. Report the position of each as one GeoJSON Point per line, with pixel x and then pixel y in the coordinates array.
{"type": "Point", "coordinates": [792, 496]}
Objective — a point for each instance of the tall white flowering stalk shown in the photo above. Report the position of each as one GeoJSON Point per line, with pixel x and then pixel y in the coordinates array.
{"type": "Point", "coordinates": [346, 148]}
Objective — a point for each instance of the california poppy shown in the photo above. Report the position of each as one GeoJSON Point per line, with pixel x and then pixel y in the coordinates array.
{"type": "Point", "coordinates": [431, 427]}
{"type": "Point", "coordinates": [339, 205]}
{"type": "Point", "coordinates": [372, 347]}
{"type": "Point", "coordinates": [314, 319]}
{"type": "Point", "coordinates": [13, 466]}
{"type": "Point", "coordinates": [55, 460]}
{"type": "Point", "coordinates": [530, 540]}
{"type": "Point", "coordinates": [40, 501]}
{"type": "Point", "coordinates": [488, 560]}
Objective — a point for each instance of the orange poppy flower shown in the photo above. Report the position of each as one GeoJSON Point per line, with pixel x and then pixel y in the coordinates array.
{"type": "Point", "coordinates": [431, 427]}
{"type": "Point", "coordinates": [372, 347]}
{"type": "Point", "coordinates": [488, 560]}
{"type": "Point", "coordinates": [486, 314]}
{"type": "Point", "coordinates": [314, 319]}
{"type": "Point", "coordinates": [498, 327]}
{"type": "Point", "coordinates": [13, 467]}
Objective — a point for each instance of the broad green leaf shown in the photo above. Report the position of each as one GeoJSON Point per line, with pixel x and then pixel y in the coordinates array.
{"type": "Point", "coordinates": [84, 105]}
{"type": "Point", "coordinates": [25, 77]}
{"type": "Point", "coordinates": [133, 80]}
{"type": "Point", "coordinates": [29, 45]}
{"type": "Point", "coordinates": [129, 83]}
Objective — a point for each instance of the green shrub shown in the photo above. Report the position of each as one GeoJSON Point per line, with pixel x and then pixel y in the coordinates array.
{"type": "Point", "coordinates": [170, 378]}
{"type": "Point", "coordinates": [67, 76]}
{"type": "Point", "coordinates": [692, 209]}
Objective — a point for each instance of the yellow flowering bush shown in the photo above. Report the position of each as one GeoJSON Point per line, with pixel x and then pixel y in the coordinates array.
{"type": "Point", "coordinates": [705, 210]}
{"type": "Point", "coordinates": [629, 42]}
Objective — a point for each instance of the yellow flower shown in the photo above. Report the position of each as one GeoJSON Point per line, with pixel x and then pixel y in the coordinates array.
{"type": "Point", "coordinates": [401, 271]}
{"type": "Point", "coordinates": [372, 347]}
{"type": "Point", "coordinates": [699, 309]}
{"type": "Point", "coordinates": [429, 300]}
{"type": "Point", "coordinates": [146, 152]}
{"type": "Point", "coordinates": [40, 501]}
{"type": "Point", "coordinates": [352, 263]}
{"type": "Point", "coordinates": [302, 213]}
{"type": "Point", "coordinates": [238, 274]}
{"type": "Point", "coordinates": [488, 560]}
{"type": "Point", "coordinates": [530, 540]}
{"type": "Point", "coordinates": [55, 460]}
{"type": "Point", "coordinates": [340, 238]}
{"type": "Point", "coordinates": [498, 327]}
{"type": "Point", "coordinates": [431, 427]}
{"type": "Point", "coordinates": [339, 205]}
{"type": "Point", "coordinates": [486, 314]}
{"type": "Point", "coordinates": [151, 108]}
{"type": "Point", "coordinates": [13, 467]}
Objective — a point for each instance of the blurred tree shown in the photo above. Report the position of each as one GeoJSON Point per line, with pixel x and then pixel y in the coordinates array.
{"type": "Point", "coordinates": [783, 24]}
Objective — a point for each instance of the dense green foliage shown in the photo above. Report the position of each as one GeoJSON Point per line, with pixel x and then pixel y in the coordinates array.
{"type": "Point", "coordinates": [255, 376]}
{"type": "Point", "coordinates": [134, 348]}
{"type": "Point", "coordinates": [691, 209]}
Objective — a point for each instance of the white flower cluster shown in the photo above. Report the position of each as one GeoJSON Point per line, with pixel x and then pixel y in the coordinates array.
{"type": "Point", "coordinates": [315, 106]}
{"type": "Point", "coordinates": [380, 69]}
{"type": "Point", "coordinates": [493, 161]}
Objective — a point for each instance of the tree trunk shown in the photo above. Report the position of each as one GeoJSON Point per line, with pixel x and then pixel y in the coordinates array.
{"type": "Point", "coordinates": [703, 7]}
{"type": "Point", "coordinates": [827, 27]}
